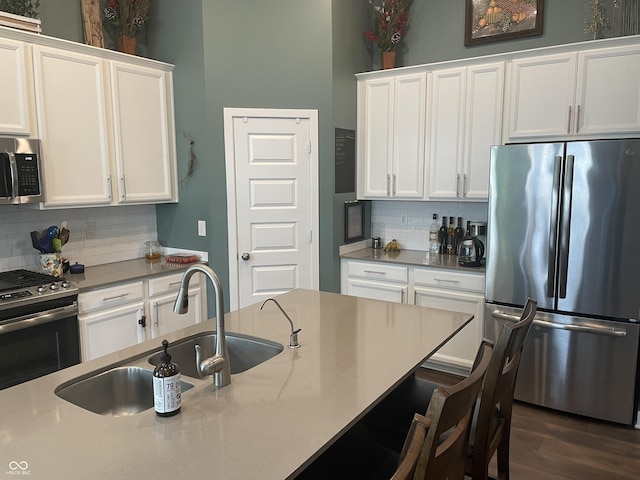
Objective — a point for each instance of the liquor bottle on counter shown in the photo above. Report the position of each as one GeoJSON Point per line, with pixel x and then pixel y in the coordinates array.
{"type": "Point", "coordinates": [434, 243]}
{"type": "Point", "coordinates": [458, 235]}
{"type": "Point", "coordinates": [450, 236]}
{"type": "Point", "coordinates": [442, 235]}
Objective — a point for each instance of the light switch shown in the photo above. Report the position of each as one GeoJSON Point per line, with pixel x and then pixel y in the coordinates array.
{"type": "Point", "coordinates": [202, 228]}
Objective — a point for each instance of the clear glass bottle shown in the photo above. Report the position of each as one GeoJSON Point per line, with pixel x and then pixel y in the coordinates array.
{"type": "Point", "coordinates": [434, 243]}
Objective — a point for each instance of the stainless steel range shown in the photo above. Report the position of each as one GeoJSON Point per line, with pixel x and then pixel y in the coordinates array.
{"type": "Point", "coordinates": [38, 325]}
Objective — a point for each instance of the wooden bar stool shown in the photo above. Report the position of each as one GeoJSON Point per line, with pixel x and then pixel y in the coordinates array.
{"type": "Point", "coordinates": [389, 422]}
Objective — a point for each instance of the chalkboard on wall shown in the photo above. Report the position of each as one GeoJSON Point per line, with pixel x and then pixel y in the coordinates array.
{"type": "Point", "coordinates": [345, 160]}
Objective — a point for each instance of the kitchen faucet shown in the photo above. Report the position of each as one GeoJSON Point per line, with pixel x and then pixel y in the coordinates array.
{"type": "Point", "coordinates": [293, 338]}
{"type": "Point", "coordinates": [218, 365]}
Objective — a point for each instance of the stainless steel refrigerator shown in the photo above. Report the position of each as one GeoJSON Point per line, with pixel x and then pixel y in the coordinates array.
{"type": "Point", "coordinates": [564, 229]}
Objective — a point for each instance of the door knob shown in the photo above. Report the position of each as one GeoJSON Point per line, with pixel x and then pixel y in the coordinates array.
{"type": "Point", "coordinates": [246, 256]}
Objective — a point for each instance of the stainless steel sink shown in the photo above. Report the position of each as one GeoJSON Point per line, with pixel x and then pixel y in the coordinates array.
{"type": "Point", "coordinates": [118, 392]}
{"type": "Point", "coordinates": [245, 352]}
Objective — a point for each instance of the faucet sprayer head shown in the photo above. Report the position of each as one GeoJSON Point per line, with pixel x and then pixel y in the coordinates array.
{"type": "Point", "coordinates": [182, 301]}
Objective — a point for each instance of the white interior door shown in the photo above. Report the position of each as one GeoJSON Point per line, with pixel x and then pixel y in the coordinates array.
{"type": "Point", "coordinates": [271, 161]}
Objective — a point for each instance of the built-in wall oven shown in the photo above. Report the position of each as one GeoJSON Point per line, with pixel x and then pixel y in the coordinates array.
{"type": "Point", "coordinates": [38, 326]}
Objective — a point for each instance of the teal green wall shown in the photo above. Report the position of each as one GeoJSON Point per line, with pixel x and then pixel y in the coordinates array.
{"type": "Point", "coordinates": [281, 54]}
{"type": "Point", "coordinates": [274, 54]}
{"type": "Point", "coordinates": [350, 56]}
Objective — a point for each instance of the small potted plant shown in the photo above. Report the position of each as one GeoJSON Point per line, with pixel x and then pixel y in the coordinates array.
{"type": "Point", "coordinates": [390, 21]}
{"type": "Point", "coordinates": [22, 14]}
{"type": "Point", "coordinates": [126, 17]}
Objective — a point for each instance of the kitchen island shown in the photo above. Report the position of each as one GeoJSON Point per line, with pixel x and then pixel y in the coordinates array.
{"type": "Point", "coordinates": [269, 423]}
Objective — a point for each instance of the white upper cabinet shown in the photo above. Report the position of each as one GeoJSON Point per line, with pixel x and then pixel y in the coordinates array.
{"type": "Point", "coordinates": [105, 120]}
{"type": "Point", "coordinates": [144, 150]}
{"type": "Point", "coordinates": [465, 120]}
{"type": "Point", "coordinates": [16, 99]}
{"type": "Point", "coordinates": [587, 94]}
{"type": "Point", "coordinates": [71, 102]}
{"type": "Point", "coordinates": [608, 92]}
{"type": "Point", "coordinates": [540, 97]}
{"type": "Point", "coordinates": [391, 131]}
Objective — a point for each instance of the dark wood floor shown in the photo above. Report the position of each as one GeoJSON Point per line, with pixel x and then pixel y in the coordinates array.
{"type": "Point", "coordinates": [548, 445]}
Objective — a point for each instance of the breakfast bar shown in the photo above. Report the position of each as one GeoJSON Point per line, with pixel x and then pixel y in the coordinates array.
{"type": "Point", "coordinates": [271, 422]}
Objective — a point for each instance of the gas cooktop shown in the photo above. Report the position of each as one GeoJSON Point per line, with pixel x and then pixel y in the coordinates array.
{"type": "Point", "coordinates": [22, 287]}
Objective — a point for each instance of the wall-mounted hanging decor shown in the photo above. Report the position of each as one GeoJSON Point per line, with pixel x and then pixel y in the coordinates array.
{"type": "Point", "coordinates": [345, 161]}
{"type": "Point", "coordinates": [496, 20]}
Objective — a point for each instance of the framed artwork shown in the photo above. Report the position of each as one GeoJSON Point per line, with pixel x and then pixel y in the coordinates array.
{"type": "Point", "coordinates": [354, 221]}
{"type": "Point", "coordinates": [496, 20]}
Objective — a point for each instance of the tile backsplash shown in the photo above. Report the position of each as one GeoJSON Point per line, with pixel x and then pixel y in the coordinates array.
{"type": "Point", "coordinates": [387, 215]}
{"type": "Point", "coordinates": [120, 233]}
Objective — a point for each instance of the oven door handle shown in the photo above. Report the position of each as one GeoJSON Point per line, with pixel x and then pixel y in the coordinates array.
{"type": "Point", "coordinates": [31, 320]}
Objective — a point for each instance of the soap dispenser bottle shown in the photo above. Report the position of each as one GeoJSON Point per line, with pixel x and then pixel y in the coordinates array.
{"type": "Point", "coordinates": [166, 385]}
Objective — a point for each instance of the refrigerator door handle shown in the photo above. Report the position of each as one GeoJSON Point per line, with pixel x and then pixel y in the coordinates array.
{"type": "Point", "coordinates": [497, 314]}
{"type": "Point", "coordinates": [563, 256]}
{"type": "Point", "coordinates": [613, 332]}
{"type": "Point", "coordinates": [553, 228]}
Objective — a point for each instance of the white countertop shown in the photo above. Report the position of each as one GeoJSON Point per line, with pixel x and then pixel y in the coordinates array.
{"type": "Point", "coordinates": [269, 423]}
{"type": "Point", "coordinates": [99, 276]}
{"type": "Point", "coordinates": [411, 257]}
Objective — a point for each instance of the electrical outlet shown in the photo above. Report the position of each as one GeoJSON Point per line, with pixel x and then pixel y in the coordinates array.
{"type": "Point", "coordinates": [403, 219]}
{"type": "Point", "coordinates": [202, 228]}
{"type": "Point", "coordinates": [91, 229]}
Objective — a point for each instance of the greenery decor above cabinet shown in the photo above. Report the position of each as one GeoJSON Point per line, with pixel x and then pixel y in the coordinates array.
{"type": "Point", "coordinates": [465, 120]}
{"type": "Point", "coordinates": [590, 94]}
{"type": "Point", "coordinates": [391, 130]}
{"type": "Point", "coordinates": [105, 119]}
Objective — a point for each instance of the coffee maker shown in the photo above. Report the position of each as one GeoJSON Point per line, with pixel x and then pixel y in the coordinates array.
{"type": "Point", "coordinates": [479, 230]}
{"type": "Point", "coordinates": [471, 252]}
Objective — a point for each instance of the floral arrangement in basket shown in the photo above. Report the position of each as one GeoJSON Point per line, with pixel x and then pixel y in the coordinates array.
{"type": "Point", "coordinates": [390, 21]}
{"type": "Point", "coordinates": [127, 16]}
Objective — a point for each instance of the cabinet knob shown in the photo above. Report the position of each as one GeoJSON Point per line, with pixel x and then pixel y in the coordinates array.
{"type": "Point", "coordinates": [246, 256]}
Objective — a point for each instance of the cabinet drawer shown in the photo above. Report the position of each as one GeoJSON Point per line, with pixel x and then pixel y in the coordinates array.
{"type": "Point", "coordinates": [111, 296]}
{"type": "Point", "coordinates": [448, 279]}
{"type": "Point", "coordinates": [378, 271]}
{"type": "Point", "coordinates": [170, 283]}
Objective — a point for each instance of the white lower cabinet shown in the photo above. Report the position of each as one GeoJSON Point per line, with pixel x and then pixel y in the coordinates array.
{"type": "Point", "coordinates": [117, 317]}
{"type": "Point", "coordinates": [112, 329]}
{"type": "Point", "coordinates": [162, 297]}
{"type": "Point", "coordinates": [374, 280]}
{"type": "Point", "coordinates": [445, 289]}
{"type": "Point", "coordinates": [111, 319]}
{"type": "Point", "coordinates": [459, 292]}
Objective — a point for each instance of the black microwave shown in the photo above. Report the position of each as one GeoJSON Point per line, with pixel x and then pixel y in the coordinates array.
{"type": "Point", "coordinates": [20, 176]}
